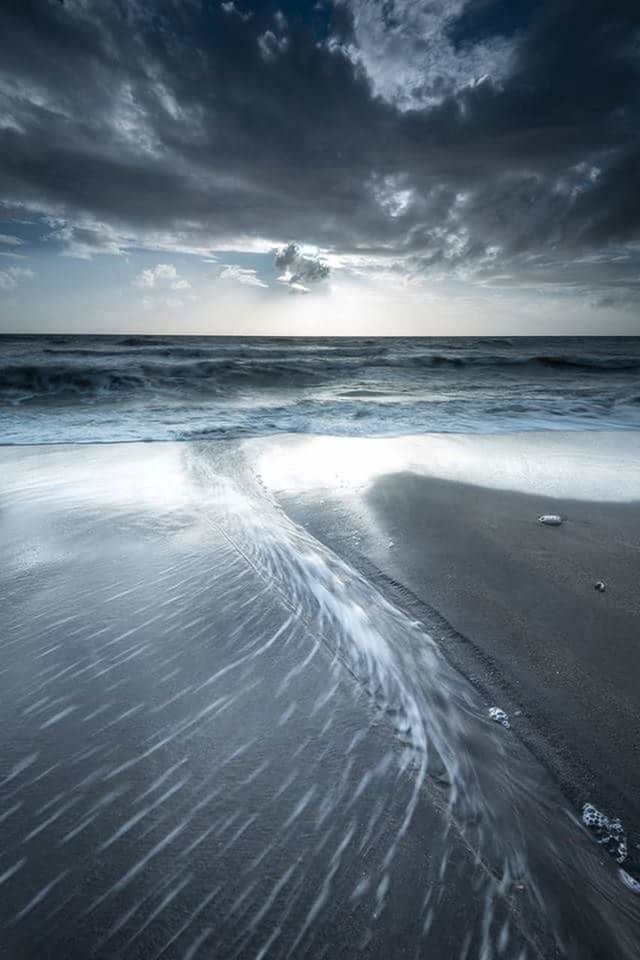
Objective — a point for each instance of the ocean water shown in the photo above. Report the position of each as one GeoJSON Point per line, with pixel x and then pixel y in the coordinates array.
{"type": "Point", "coordinates": [57, 389]}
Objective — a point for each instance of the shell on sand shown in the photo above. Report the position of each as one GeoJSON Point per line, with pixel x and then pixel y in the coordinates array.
{"type": "Point", "coordinates": [499, 716]}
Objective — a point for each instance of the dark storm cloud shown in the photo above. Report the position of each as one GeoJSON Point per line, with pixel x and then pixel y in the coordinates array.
{"type": "Point", "coordinates": [209, 122]}
{"type": "Point", "coordinates": [485, 19]}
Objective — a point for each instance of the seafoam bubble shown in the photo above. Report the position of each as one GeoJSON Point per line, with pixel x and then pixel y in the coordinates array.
{"type": "Point", "coordinates": [608, 832]}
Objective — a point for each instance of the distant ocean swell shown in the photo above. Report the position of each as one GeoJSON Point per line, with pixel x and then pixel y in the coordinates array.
{"type": "Point", "coordinates": [161, 388]}
{"type": "Point", "coordinates": [30, 382]}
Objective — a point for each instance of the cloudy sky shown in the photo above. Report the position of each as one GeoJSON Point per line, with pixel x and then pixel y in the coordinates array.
{"type": "Point", "coordinates": [355, 166]}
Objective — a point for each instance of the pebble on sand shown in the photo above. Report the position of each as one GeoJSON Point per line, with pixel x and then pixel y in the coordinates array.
{"type": "Point", "coordinates": [550, 519]}
{"type": "Point", "coordinates": [599, 586]}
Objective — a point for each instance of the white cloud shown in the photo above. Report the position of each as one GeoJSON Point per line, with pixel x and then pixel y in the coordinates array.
{"type": "Point", "coordinates": [243, 275]}
{"type": "Point", "coordinates": [10, 277]}
{"type": "Point", "coordinates": [300, 269]}
{"type": "Point", "coordinates": [161, 280]}
{"type": "Point", "coordinates": [410, 57]}
{"type": "Point", "coordinates": [163, 271]}
{"type": "Point", "coordinates": [145, 279]}
{"type": "Point", "coordinates": [8, 240]}
{"type": "Point", "coordinates": [85, 240]}
{"type": "Point", "coordinates": [392, 195]}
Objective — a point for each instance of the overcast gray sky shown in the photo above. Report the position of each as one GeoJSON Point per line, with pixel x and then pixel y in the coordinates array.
{"type": "Point", "coordinates": [323, 167]}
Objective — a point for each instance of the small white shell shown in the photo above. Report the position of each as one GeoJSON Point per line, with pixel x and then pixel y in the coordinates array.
{"type": "Point", "coordinates": [499, 716]}
{"type": "Point", "coordinates": [551, 519]}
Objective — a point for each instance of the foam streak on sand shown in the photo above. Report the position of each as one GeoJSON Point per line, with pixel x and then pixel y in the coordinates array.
{"type": "Point", "coordinates": [302, 733]}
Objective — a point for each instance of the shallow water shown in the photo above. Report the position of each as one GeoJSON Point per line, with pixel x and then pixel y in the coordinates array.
{"type": "Point", "coordinates": [218, 738]}
{"type": "Point", "coordinates": [105, 389]}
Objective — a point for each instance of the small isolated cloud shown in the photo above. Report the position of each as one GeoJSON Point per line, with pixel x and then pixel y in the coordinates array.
{"type": "Point", "coordinates": [160, 282]}
{"type": "Point", "coordinates": [243, 275]}
{"type": "Point", "coordinates": [299, 270]}
{"type": "Point", "coordinates": [9, 240]}
{"type": "Point", "coordinates": [11, 277]}
{"type": "Point", "coordinates": [154, 275]}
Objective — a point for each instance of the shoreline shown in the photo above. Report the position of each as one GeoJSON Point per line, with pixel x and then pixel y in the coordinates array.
{"type": "Point", "coordinates": [578, 431]}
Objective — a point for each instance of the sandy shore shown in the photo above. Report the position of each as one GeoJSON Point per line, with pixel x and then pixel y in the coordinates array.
{"type": "Point", "coordinates": [512, 601]}
{"type": "Point", "coordinates": [528, 625]}
{"type": "Point", "coordinates": [217, 735]}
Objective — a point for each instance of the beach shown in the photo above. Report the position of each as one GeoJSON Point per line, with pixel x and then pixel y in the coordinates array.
{"type": "Point", "coordinates": [514, 602]}
{"type": "Point", "coordinates": [320, 480]}
{"type": "Point", "coordinates": [223, 730]}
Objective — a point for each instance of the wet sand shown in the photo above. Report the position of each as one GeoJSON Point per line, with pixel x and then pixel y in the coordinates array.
{"type": "Point", "coordinates": [528, 626]}
{"type": "Point", "coordinates": [524, 595]}
{"type": "Point", "coordinates": [218, 737]}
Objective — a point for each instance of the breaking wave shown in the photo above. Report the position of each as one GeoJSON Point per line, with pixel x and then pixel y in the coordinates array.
{"type": "Point", "coordinates": [162, 388]}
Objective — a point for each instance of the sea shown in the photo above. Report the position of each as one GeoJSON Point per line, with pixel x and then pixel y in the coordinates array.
{"type": "Point", "coordinates": [100, 389]}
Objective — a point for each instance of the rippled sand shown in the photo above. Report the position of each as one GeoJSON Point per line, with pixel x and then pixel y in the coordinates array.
{"type": "Point", "coordinates": [219, 738]}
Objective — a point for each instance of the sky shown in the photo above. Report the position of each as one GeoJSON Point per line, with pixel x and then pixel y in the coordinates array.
{"type": "Point", "coordinates": [357, 167]}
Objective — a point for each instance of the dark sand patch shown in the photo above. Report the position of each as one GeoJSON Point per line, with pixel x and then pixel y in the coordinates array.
{"type": "Point", "coordinates": [528, 625]}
